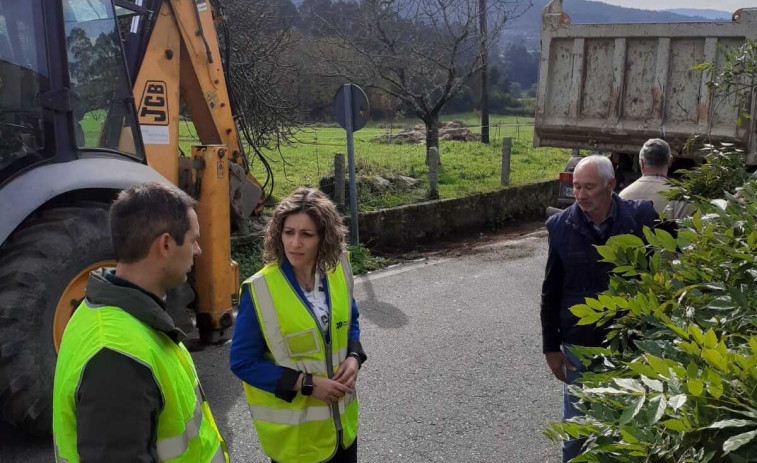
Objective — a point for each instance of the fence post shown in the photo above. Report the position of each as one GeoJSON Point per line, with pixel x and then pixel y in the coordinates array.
{"type": "Point", "coordinates": [339, 180]}
{"type": "Point", "coordinates": [507, 147]}
{"type": "Point", "coordinates": [517, 128]}
{"type": "Point", "coordinates": [433, 173]}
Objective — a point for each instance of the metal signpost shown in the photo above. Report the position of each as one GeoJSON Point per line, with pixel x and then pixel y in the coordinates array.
{"type": "Point", "coordinates": [351, 111]}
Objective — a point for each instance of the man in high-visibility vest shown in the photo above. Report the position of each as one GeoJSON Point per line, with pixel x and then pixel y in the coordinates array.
{"type": "Point", "coordinates": [126, 389]}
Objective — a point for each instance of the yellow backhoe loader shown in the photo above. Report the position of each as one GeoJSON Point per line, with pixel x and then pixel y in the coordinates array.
{"type": "Point", "coordinates": [90, 94]}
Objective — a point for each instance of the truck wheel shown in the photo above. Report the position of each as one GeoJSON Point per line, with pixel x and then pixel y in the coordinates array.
{"type": "Point", "coordinates": [43, 271]}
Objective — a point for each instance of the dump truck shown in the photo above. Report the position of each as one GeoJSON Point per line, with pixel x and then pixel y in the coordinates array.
{"type": "Point", "coordinates": [608, 88]}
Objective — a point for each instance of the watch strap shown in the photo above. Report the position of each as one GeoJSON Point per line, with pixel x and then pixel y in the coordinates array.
{"type": "Point", "coordinates": [307, 384]}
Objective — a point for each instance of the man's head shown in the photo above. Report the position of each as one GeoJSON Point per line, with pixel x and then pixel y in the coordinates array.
{"type": "Point", "coordinates": [593, 184]}
{"type": "Point", "coordinates": [655, 157]}
{"type": "Point", "coordinates": [156, 225]}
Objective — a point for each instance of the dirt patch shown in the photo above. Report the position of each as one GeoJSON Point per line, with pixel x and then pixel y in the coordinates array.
{"type": "Point", "coordinates": [455, 130]}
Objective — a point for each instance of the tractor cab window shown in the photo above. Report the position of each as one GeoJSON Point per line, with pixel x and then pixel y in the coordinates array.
{"type": "Point", "coordinates": [23, 77]}
{"type": "Point", "coordinates": [100, 90]}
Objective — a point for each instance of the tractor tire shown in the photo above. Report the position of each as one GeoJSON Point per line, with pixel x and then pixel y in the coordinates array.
{"type": "Point", "coordinates": [37, 263]}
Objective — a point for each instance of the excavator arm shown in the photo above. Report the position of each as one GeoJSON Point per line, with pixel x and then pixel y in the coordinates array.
{"type": "Point", "coordinates": [90, 103]}
{"type": "Point", "coordinates": [179, 58]}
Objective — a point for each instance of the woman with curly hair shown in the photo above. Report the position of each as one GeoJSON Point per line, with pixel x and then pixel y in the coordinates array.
{"type": "Point", "coordinates": [296, 343]}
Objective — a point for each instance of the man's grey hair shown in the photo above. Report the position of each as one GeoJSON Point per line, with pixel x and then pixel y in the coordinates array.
{"type": "Point", "coordinates": [604, 166]}
{"type": "Point", "coordinates": [655, 153]}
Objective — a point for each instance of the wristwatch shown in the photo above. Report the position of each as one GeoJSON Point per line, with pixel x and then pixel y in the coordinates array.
{"type": "Point", "coordinates": [307, 384]}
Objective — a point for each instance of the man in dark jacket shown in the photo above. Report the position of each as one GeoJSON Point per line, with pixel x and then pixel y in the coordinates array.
{"type": "Point", "coordinates": [574, 272]}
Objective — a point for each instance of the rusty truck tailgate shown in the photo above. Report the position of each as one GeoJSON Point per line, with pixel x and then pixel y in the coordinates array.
{"type": "Point", "coordinates": [610, 87]}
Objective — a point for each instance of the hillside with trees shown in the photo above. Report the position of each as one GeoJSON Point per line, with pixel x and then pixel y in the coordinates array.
{"type": "Point", "coordinates": [291, 38]}
{"type": "Point", "coordinates": [525, 29]}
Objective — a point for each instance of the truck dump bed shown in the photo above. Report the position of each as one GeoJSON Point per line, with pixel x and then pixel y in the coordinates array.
{"type": "Point", "coordinates": [610, 87]}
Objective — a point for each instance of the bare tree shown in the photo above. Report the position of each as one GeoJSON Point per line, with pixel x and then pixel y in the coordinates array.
{"type": "Point", "coordinates": [418, 51]}
{"type": "Point", "coordinates": [257, 40]}
{"type": "Point", "coordinates": [484, 72]}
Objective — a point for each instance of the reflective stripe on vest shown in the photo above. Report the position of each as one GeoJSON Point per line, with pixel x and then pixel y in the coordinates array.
{"type": "Point", "coordinates": [175, 446]}
{"type": "Point", "coordinates": [185, 429]}
{"type": "Point", "coordinates": [278, 344]}
{"type": "Point", "coordinates": [295, 417]}
{"type": "Point", "coordinates": [58, 458]}
{"type": "Point", "coordinates": [304, 430]}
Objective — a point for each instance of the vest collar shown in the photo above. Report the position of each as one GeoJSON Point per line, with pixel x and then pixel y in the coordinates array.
{"type": "Point", "coordinates": [288, 271]}
{"type": "Point", "coordinates": [131, 299]}
{"type": "Point", "coordinates": [623, 220]}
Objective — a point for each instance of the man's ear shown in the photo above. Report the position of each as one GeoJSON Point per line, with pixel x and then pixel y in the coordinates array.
{"type": "Point", "coordinates": [162, 244]}
{"type": "Point", "coordinates": [611, 183]}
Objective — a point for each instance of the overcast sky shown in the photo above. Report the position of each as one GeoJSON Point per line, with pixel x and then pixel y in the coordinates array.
{"type": "Point", "coordinates": [722, 5]}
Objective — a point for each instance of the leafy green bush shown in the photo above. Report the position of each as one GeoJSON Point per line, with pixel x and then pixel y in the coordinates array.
{"type": "Point", "coordinates": [363, 261]}
{"type": "Point", "coordinates": [723, 170]}
{"type": "Point", "coordinates": [249, 257]}
{"type": "Point", "coordinates": [678, 380]}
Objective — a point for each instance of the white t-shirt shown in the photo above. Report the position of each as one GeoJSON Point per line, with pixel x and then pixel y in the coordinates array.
{"type": "Point", "coordinates": [318, 302]}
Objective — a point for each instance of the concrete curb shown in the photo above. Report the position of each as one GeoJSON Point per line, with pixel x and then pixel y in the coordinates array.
{"type": "Point", "coordinates": [405, 226]}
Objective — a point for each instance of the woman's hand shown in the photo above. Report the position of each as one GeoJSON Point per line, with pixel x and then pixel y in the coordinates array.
{"type": "Point", "coordinates": [347, 372]}
{"type": "Point", "coordinates": [328, 390]}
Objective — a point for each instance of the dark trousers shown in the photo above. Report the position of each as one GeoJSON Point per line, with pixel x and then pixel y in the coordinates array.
{"type": "Point", "coordinates": [348, 455]}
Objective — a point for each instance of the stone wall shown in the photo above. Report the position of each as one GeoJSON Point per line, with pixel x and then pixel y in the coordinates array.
{"type": "Point", "coordinates": [405, 226]}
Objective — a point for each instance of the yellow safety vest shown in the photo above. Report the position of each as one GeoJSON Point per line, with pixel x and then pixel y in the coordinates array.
{"type": "Point", "coordinates": [186, 431]}
{"type": "Point", "coordinates": [306, 430]}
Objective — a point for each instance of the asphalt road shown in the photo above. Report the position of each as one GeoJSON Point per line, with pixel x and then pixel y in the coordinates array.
{"type": "Point", "coordinates": [455, 371]}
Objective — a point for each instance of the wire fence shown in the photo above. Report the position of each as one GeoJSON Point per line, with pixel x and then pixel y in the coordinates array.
{"type": "Point", "coordinates": [331, 135]}
{"type": "Point", "coordinates": [310, 157]}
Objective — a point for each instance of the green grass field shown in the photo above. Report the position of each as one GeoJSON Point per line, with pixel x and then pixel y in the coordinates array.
{"type": "Point", "coordinates": [467, 168]}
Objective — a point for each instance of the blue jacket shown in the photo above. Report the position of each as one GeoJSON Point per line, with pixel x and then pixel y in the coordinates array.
{"type": "Point", "coordinates": [574, 272]}
{"type": "Point", "coordinates": [248, 345]}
